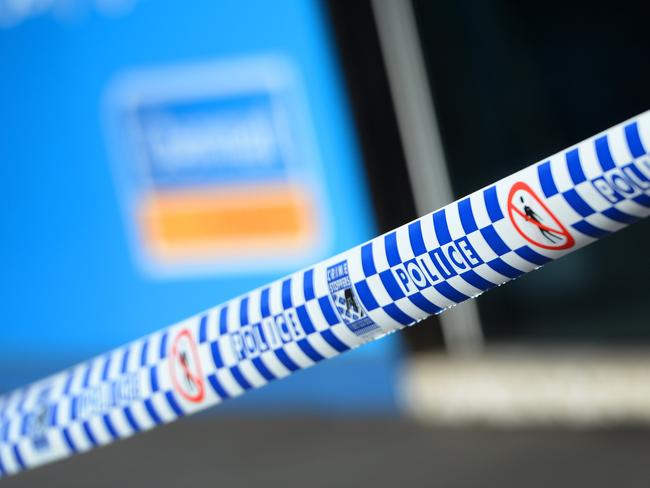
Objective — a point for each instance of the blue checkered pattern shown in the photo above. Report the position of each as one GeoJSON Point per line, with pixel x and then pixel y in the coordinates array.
{"type": "Point", "coordinates": [481, 220]}
{"type": "Point", "coordinates": [324, 333]}
{"type": "Point", "coordinates": [594, 188]}
{"type": "Point", "coordinates": [72, 393]}
{"type": "Point", "coordinates": [568, 184]}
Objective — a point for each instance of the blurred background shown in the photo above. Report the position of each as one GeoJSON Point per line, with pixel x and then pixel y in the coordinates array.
{"type": "Point", "coordinates": [160, 157]}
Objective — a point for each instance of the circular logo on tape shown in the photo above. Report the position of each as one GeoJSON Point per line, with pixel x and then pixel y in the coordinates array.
{"type": "Point", "coordinates": [185, 367]}
{"type": "Point", "coordinates": [534, 220]}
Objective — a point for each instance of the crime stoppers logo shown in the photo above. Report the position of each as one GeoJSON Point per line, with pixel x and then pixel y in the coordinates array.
{"type": "Point", "coordinates": [534, 220]}
{"type": "Point", "coordinates": [185, 367]}
{"type": "Point", "coordinates": [346, 301]}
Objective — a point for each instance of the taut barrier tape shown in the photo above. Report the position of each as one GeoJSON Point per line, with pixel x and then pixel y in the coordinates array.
{"type": "Point", "coordinates": [395, 280]}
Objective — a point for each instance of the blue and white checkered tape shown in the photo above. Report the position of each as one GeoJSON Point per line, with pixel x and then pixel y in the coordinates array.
{"type": "Point", "coordinates": [395, 280]}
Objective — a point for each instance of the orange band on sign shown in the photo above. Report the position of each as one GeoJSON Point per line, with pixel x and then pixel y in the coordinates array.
{"type": "Point", "coordinates": [215, 220]}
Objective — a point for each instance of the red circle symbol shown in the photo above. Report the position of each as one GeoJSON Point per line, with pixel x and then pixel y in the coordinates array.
{"type": "Point", "coordinates": [185, 367]}
{"type": "Point", "coordinates": [534, 220]}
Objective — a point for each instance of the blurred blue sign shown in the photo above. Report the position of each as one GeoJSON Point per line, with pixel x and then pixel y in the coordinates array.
{"type": "Point", "coordinates": [218, 167]}
{"type": "Point", "coordinates": [139, 140]}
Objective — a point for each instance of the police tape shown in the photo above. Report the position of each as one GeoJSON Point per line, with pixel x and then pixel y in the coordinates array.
{"type": "Point", "coordinates": [395, 280]}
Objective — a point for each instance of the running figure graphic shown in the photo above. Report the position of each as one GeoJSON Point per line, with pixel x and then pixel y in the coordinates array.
{"type": "Point", "coordinates": [186, 369]}
{"type": "Point", "coordinates": [532, 215]}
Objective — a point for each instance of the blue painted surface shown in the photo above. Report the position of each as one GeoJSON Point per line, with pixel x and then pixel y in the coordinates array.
{"type": "Point", "coordinates": [70, 287]}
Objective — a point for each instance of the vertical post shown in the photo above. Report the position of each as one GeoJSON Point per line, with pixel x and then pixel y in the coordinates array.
{"type": "Point", "coordinates": [423, 149]}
